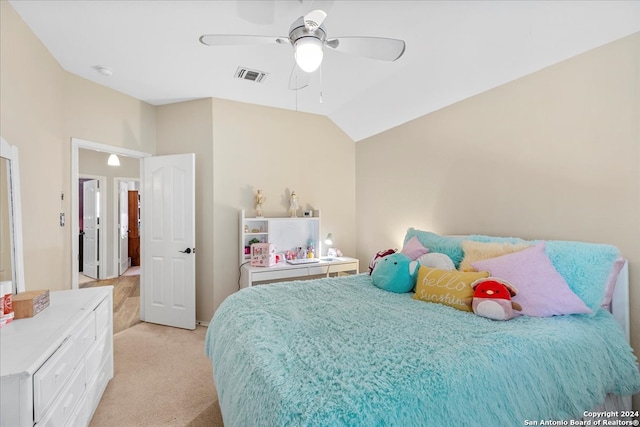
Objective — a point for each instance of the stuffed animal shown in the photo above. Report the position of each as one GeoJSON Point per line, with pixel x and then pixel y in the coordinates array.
{"type": "Point", "coordinates": [436, 260]}
{"type": "Point", "coordinates": [395, 273]}
{"type": "Point", "coordinates": [492, 299]}
{"type": "Point", "coordinates": [377, 258]}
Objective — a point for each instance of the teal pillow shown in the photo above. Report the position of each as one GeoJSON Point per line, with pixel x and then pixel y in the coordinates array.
{"type": "Point", "coordinates": [450, 246]}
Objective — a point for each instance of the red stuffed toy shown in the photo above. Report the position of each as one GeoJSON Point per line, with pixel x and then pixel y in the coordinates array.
{"type": "Point", "coordinates": [492, 299]}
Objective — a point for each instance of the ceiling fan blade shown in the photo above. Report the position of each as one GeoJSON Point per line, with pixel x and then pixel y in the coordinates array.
{"type": "Point", "coordinates": [299, 79]}
{"type": "Point", "coordinates": [233, 40]}
{"type": "Point", "coordinates": [314, 19]}
{"type": "Point", "coordinates": [370, 47]}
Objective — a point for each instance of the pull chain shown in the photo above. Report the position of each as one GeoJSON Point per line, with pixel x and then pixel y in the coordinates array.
{"type": "Point", "coordinates": [320, 83]}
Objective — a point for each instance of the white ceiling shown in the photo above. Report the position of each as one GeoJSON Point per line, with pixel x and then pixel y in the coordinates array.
{"type": "Point", "coordinates": [455, 49]}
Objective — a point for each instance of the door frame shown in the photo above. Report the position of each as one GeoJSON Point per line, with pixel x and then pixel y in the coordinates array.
{"type": "Point", "coordinates": [76, 144]}
{"type": "Point", "coordinates": [102, 242]}
{"type": "Point", "coordinates": [116, 216]}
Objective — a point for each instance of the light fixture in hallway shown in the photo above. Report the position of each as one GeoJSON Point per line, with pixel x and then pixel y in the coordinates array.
{"type": "Point", "coordinates": [113, 160]}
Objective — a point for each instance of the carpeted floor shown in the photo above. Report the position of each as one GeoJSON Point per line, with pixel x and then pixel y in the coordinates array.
{"type": "Point", "coordinates": [162, 378]}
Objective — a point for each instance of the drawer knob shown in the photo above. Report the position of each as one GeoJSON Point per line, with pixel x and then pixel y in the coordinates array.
{"type": "Point", "coordinates": [59, 372]}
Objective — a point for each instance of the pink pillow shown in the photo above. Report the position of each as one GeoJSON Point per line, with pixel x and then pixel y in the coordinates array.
{"type": "Point", "coordinates": [414, 249]}
{"type": "Point", "coordinates": [542, 291]}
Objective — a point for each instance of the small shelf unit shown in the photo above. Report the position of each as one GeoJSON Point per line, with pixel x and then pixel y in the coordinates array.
{"type": "Point", "coordinates": [286, 233]}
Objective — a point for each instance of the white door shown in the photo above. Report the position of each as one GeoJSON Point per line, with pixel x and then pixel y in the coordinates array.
{"type": "Point", "coordinates": [124, 227]}
{"type": "Point", "coordinates": [168, 233]}
{"type": "Point", "coordinates": [91, 228]}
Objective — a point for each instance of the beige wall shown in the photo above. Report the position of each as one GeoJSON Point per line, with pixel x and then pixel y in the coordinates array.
{"type": "Point", "coordinates": [32, 118]}
{"type": "Point", "coordinates": [186, 127]}
{"type": "Point", "coordinates": [41, 108]}
{"type": "Point", "coordinates": [240, 148]}
{"type": "Point", "coordinates": [555, 155]}
{"type": "Point", "coordinates": [277, 151]}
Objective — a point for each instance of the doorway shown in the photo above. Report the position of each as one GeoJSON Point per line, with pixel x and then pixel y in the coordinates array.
{"type": "Point", "coordinates": [167, 287]}
{"type": "Point", "coordinates": [76, 146]}
{"type": "Point", "coordinates": [92, 245]}
{"type": "Point", "coordinates": [126, 225]}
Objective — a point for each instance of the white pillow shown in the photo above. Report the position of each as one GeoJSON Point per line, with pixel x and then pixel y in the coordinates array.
{"type": "Point", "coordinates": [436, 260]}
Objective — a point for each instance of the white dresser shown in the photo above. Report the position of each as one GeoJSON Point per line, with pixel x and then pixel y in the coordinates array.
{"type": "Point", "coordinates": [55, 366]}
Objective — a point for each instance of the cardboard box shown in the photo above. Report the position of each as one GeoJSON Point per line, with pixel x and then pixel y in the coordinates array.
{"type": "Point", "coordinates": [263, 255]}
{"type": "Point", "coordinates": [30, 303]}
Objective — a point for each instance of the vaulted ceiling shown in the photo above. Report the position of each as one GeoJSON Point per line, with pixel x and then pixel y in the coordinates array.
{"type": "Point", "coordinates": [454, 50]}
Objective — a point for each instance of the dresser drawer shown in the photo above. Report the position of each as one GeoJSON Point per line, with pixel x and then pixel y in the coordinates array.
{"type": "Point", "coordinates": [80, 416]}
{"type": "Point", "coordinates": [103, 315]}
{"type": "Point", "coordinates": [97, 386]}
{"type": "Point", "coordinates": [51, 377]}
{"type": "Point", "coordinates": [66, 403]}
{"type": "Point", "coordinates": [259, 276]}
{"type": "Point", "coordinates": [98, 353]}
{"type": "Point", "coordinates": [84, 337]}
{"type": "Point", "coordinates": [44, 361]}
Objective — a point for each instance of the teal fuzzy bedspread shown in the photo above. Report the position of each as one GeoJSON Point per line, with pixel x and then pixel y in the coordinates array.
{"type": "Point", "coordinates": [341, 352]}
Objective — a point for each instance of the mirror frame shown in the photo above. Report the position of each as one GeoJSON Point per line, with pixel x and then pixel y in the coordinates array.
{"type": "Point", "coordinates": [10, 153]}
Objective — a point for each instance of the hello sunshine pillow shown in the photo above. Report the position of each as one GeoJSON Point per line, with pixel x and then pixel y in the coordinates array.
{"type": "Point", "coordinates": [452, 288]}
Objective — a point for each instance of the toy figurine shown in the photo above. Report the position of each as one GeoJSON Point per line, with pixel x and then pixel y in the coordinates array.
{"type": "Point", "coordinates": [293, 205]}
{"type": "Point", "coordinates": [260, 199]}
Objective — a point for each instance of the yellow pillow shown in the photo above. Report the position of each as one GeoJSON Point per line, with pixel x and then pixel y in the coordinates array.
{"type": "Point", "coordinates": [452, 288]}
{"type": "Point", "coordinates": [479, 251]}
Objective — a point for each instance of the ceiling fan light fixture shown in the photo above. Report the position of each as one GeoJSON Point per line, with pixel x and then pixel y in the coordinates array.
{"type": "Point", "coordinates": [308, 53]}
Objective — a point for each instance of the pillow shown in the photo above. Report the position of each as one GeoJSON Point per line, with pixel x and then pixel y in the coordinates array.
{"type": "Point", "coordinates": [436, 260]}
{"type": "Point", "coordinates": [395, 273]}
{"type": "Point", "coordinates": [586, 267]}
{"type": "Point", "coordinates": [452, 288]}
{"type": "Point", "coordinates": [542, 291]}
{"type": "Point", "coordinates": [414, 249]}
{"type": "Point", "coordinates": [478, 251]}
{"type": "Point", "coordinates": [450, 246]}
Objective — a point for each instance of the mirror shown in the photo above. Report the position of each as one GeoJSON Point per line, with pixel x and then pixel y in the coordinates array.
{"type": "Point", "coordinates": [11, 262]}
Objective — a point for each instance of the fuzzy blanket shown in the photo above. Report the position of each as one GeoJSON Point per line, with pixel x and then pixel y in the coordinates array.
{"type": "Point", "coordinates": [340, 351]}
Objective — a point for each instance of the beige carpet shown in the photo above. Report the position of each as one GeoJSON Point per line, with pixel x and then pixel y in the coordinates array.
{"type": "Point", "coordinates": [162, 378]}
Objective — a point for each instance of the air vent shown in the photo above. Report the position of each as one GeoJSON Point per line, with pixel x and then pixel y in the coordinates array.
{"type": "Point", "coordinates": [245, 73]}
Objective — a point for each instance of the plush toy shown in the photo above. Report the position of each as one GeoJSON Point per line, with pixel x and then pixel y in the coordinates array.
{"type": "Point", "coordinates": [377, 257]}
{"type": "Point", "coordinates": [395, 273]}
{"type": "Point", "coordinates": [492, 299]}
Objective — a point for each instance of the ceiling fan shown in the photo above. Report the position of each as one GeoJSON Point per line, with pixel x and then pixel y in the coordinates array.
{"type": "Point", "coordinates": [308, 37]}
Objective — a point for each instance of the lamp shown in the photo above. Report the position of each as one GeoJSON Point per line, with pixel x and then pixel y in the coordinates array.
{"type": "Point", "coordinates": [113, 160]}
{"type": "Point", "coordinates": [308, 53]}
{"type": "Point", "coordinates": [331, 252]}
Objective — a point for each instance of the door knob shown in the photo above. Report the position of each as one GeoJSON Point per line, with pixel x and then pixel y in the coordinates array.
{"type": "Point", "coordinates": [187, 251]}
